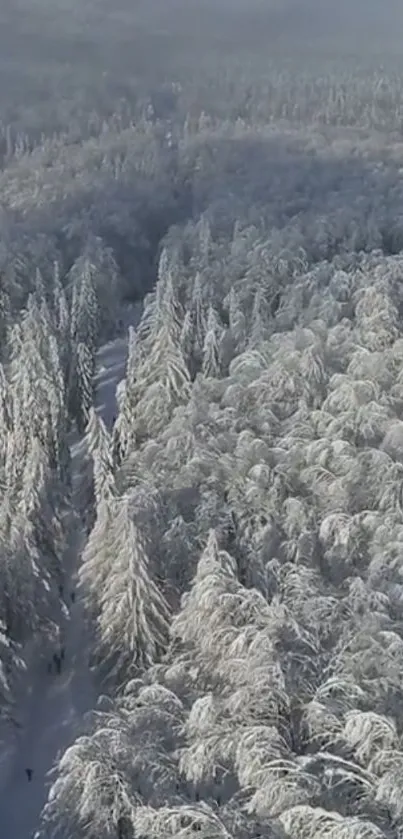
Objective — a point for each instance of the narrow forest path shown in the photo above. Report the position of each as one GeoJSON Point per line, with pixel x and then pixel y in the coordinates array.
{"type": "Point", "coordinates": [53, 705]}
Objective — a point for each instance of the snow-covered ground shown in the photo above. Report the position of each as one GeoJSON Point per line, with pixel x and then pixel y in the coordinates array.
{"type": "Point", "coordinates": [53, 705]}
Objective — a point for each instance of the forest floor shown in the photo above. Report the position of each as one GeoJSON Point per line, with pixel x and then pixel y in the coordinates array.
{"type": "Point", "coordinates": [53, 704]}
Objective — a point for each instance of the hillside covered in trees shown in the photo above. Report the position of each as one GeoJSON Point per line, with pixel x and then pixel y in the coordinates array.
{"type": "Point", "coordinates": [233, 174]}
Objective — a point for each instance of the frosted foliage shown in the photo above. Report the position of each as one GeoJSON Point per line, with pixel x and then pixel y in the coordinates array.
{"type": "Point", "coordinates": [99, 447]}
{"type": "Point", "coordinates": [209, 241]}
{"type": "Point", "coordinates": [313, 822]}
{"type": "Point", "coordinates": [5, 405]}
{"type": "Point", "coordinates": [368, 733]}
{"type": "Point", "coordinates": [199, 316]}
{"type": "Point", "coordinates": [85, 372]}
{"type": "Point", "coordinates": [133, 618]}
{"type": "Point", "coordinates": [186, 336]}
{"type": "Point", "coordinates": [133, 351]}
{"type": "Point", "coordinates": [211, 346]}
{"type": "Point", "coordinates": [35, 478]}
{"type": "Point", "coordinates": [236, 319]}
{"type": "Point", "coordinates": [96, 794]}
{"type": "Point", "coordinates": [256, 749]}
{"type": "Point", "coordinates": [213, 559]}
{"type": "Point", "coordinates": [96, 558]}
{"type": "Point", "coordinates": [163, 383]}
{"type": "Point", "coordinates": [377, 319]}
{"type": "Point", "coordinates": [180, 822]}
{"type": "Point", "coordinates": [91, 792]}
{"type": "Point", "coordinates": [393, 441]}
{"type": "Point", "coordinates": [178, 543]}
{"type": "Point", "coordinates": [84, 305]}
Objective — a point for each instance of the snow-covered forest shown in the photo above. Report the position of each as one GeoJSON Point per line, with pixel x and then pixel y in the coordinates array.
{"type": "Point", "coordinates": [201, 420]}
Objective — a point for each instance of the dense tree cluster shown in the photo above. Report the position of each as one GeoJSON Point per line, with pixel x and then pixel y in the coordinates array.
{"type": "Point", "coordinates": [243, 573]}
{"type": "Point", "coordinates": [45, 387]}
{"type": "Point", "coordinates": [240, 567]}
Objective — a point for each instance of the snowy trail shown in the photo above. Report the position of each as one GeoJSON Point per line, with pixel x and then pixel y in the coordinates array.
{"type": "Point", "coordinates": [54, 704]}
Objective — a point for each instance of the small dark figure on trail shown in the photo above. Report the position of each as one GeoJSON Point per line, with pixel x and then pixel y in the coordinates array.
{"type": "Point", "coordinates": [73, 596]}
{"type": "Point", "coordinates": [29, 773]}
{"type": "Point", "coordinates": [61, 590]}
{"type": "Point", "coordinates": [114, 419]}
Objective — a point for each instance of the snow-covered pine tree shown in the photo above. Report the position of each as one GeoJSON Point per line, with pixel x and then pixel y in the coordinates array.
{"type": "Point", "coordinates": [38, 504]}
{"type": "Point", "coordinates": [123, 440]}
{"type": "Point", "coordinates": [84, 385]}
{"type": "Point", "coordinates": [163, 383]}
{"type": "Point", "coordinates": [97, 559]}
{"type": "Point", "coordinates": [211, 346]}
{"type": "Point", "coordinates": [61, 320]}
{"type": "Point", "coordinates": [100, 448]}
{"type": "Point", "coordinates": [84, 318]}
{"type": "Point", "coordinates": [133, 622]}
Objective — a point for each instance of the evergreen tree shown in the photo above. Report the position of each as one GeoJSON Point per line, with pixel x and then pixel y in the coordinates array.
{"type": "Point", "coordinates": [38, 504]}
{"type": "Point", "coordinates": [84, 387]}
{"type": "Point", "coordinates": [99, 447]}
{"type": "Point", "coordinates": [211, 346]}
{"type": "Point", "coordinates": [61, 320]}
{"type": "Point", "coordinates": [84, 319]}
{"type": "Point", "coordinates": [133, 621]}
{"type": "Point", "coordinates": [97, 558]}
{"type": "Point", "coordinates": [163, 383]}
{"type": "Point", "coordinates": [123, 432]}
